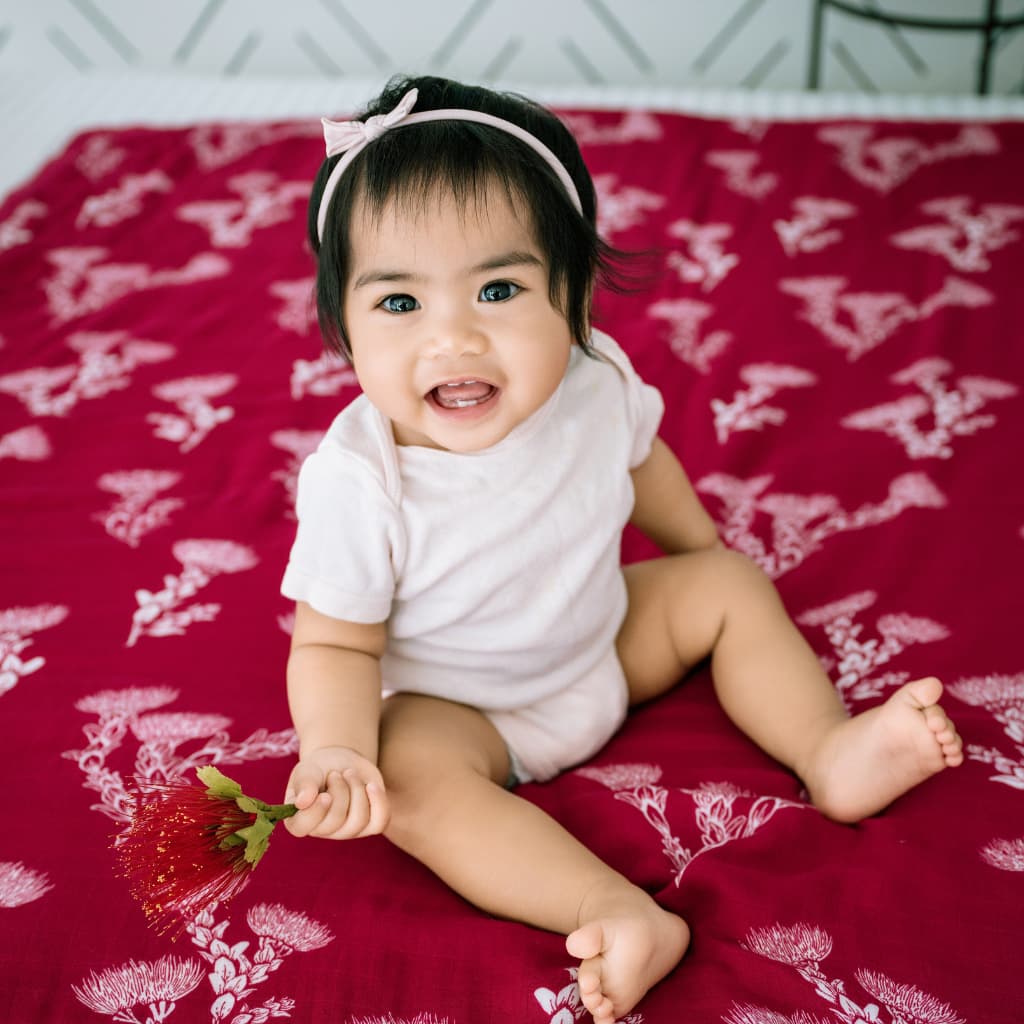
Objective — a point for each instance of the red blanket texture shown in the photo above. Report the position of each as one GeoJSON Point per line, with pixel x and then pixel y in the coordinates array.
{"type": "Point", "coordinates": [837, 335]}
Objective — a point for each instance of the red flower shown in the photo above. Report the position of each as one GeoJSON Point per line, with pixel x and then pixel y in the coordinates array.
{"type": "Point", "coordinates": [187, 847]}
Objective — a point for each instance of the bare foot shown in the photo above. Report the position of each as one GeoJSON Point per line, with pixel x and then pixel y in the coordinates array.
{"type": "Point", "coordinates": [626, 945]}
{"type": "Point", "coordinates": [866, 762]}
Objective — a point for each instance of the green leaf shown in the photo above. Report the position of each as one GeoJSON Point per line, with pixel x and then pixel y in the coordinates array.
{"type": "Point", "coordinates": [257, 838]}
{"type": "Point", "coordinates": [218, 784]}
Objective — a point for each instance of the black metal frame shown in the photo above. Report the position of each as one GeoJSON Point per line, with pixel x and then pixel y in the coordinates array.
{"type": "Point", "coordinates": [991, 25]}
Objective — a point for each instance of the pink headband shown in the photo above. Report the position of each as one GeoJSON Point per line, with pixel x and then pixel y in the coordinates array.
{"type": "Point", "coordinates": [352, 137]}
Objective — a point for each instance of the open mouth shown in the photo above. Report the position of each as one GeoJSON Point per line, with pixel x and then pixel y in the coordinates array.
{"type": "Point", "coordinates": [463, 394]}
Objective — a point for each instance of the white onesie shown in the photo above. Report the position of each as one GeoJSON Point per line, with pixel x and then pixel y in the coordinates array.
{"type": "Point", "coordinates": [498, 571]}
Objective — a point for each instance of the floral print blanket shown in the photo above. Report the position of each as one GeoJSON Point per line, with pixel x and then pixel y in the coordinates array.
{"type": "Point", "coordinates": [837, 332]}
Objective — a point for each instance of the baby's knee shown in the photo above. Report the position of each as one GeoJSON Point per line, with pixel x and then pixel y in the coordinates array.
{"type": "Point", "coordinates": [730, 580]}
{"type": "Point", "coordinates": [408, 781]}
{"type": "Point", "coordinates": [719, 566]}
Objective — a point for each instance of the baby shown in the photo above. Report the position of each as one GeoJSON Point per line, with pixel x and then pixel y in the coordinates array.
{"type": "Point", "coordinates": [459, 533]}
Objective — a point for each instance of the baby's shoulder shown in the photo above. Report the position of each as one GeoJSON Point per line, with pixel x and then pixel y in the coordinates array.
{"type": "Point", "coordinates": [610, 353]}
{"type": "Point", "coordinates": [357, 449]}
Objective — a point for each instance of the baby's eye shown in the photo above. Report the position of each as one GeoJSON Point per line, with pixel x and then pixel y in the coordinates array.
{"type": "Point", "coordinates": [399, 304]}
{"type": "Point", "coordinates": [498, 291]}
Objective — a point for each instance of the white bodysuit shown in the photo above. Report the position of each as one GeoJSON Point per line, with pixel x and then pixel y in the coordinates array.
{"type": "Point", "coordinates": [498, 571]}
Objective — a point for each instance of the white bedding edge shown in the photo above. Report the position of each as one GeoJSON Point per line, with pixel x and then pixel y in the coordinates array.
{"type": "Point", "coordinates": [40, 114]}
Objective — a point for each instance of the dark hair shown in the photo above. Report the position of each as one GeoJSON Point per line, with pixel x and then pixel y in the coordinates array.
{"type": "Point", "coordinates": [466, 158]}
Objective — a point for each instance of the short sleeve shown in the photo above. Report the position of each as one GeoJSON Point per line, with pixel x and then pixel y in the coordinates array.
{"type": "Point", "coordinates": [644, 404]}
{"type": "Point", "coordinates": [343, 560]}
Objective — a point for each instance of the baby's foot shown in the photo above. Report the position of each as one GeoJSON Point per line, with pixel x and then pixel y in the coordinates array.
{"type": "Point", "coordinates": [624, 951]}
{"type": "Point", "coordinates": [869, 760]}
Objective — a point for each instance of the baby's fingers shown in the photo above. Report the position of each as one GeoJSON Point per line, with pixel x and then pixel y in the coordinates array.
{"type": "Point", "coordinates": [367, 806]}
{"type": "Point", "coordinates": [338, 798]}
{"type": "Point", "coordinates": [303, 786]}
{"type": "Point", "coordinates": [380, 809]}
{"type": "Point", "coordinates": [358, 807]}
{"type": "Point", "coordinates": [369, 811]}
{"type": "Point", "coordinates": [306, 822]}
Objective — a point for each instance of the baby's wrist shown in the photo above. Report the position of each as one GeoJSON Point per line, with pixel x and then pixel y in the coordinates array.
{"type": "Point", "coordinates": [331, 751]}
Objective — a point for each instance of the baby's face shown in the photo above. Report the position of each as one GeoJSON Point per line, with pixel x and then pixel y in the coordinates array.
{"type": "Point", "coordinates": [453, 334]}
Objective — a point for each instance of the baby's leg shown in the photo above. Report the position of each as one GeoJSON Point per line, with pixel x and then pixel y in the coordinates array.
{"type": "Point", "coordinates": [771, 684]}
{"type": "Point", "coordinates": [445, 765]}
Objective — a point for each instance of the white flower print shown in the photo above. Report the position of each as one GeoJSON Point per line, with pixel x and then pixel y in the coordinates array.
{"type": "Point", "coordinates": [705, 262]}
{"type": "Point", "coordinates": [166, 612]}
{"type": "Point", "coordinates": [161, 734]}
{"type": "Point", "coordinates": [20, 884]}
{"type": "Point", "coordinates": [858, 322]}
{"type": "Point", "coordinates": [803, 947]}
{"type": "Point", "coordinates": [106, 363]}
{"type": "Point", "coordinates": [122, 202]}
{"type": "Point", "coordinates": [138, 510]}
{"type": "Point", "coordinates": [234, 975]}
{"type": "Point", "coordinates": [809, 228]}
{"type": "Point", "coordinates": [1005, 854]}
{"type": "Point", "coordinates": [949, 412]}
{"type": "Point", "coordinates": [963, 238]}
{"type": "Point", "coordinates": [16, 626]}
{"type": "Point", "coordinates": [325, 375]}
{"type": "Point", "coordinates": [685, 317]}
{"type": "Point", "coordinates": [83, 283]}
{"type": "Point", "coordinates": [856, 658]}
{"type": "Point", "coordinates": [739, 166]}
{"type": "Point", "coordinates": [801, 523]}
{"type": "Point", "coordinates": [715, 813]}
{"type": "Point", "coordinates": [747, 410]}
{"type": "Point", "coordinates": [154, 984]}
{"type": "Point", "coordinates": [28, 444]}
{"type": "Point", "coordinates": [15, 230]}
{"type": "Point", "coordinates": [198, 416]}
{"type": "Point", "coordinates": [886, 162]}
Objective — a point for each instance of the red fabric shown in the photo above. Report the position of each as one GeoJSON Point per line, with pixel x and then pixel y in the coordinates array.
{"type": "Point", "coordinates": [837, 334]}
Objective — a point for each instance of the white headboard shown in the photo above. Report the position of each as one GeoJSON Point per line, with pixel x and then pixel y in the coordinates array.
{"type": "Point", "coordinates": [690, 43]}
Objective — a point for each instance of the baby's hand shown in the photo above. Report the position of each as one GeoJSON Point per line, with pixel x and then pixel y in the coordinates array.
{"type": "Point", "coordinates": [339, 794]}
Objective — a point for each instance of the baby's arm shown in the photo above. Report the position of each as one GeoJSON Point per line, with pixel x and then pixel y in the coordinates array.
{"type": "Point", "coordinates": [666, 507]}
{"type": "Point", "coordinates": [334, 691]}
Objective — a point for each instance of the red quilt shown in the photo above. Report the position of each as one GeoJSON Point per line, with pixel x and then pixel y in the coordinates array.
{"type": "Point", "coordinates": [837, 334]}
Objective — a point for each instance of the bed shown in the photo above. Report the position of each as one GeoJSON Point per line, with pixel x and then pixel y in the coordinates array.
{"type": "Point", "coordinates": [836, 330]}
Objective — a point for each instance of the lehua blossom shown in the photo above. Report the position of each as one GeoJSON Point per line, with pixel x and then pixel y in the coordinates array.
{"type": "Point", "coordinates": [1005, 854]}
{"type": "Point", "coordinates": [906, 1002]}
{"type": "Point", "coordinates": [797, 945]}
{"type": "Point", "coordinates": [290, 927]}
{"type": "Point", "coordinates": [214, 556]}
{"type": "Point", "coordinates": [20, 884]}
{"type": "Point", "coordinates": [622, 776]}
{"type": "Point", "coordinates": [128, 702]}
{"type": "Point", "coordinates": [760, 1015]}
{"type": "Point", "coordinates": [117, 989]}
{"type": "Point", "coordinates": [187, 847]}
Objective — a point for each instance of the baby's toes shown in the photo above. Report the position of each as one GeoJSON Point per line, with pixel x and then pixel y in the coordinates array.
{"type": "Point", "coordinates": [946, 736]}
{"type": "Point", "coordinates": [940, 724]}
{"type": "Point", "coordinates": [589, 984]}
{"type": "Point", "coordinates": [953, 750]}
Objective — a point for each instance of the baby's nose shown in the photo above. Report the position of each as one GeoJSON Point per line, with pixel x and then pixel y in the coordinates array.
{"type": "Point", "coordinates": [456, 336]}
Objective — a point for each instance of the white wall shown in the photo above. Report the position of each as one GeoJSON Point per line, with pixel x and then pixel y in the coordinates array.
{"type": "Point", "coordinates": [719, 43]}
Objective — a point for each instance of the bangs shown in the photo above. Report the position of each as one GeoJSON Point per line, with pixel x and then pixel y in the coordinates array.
{"type": "Point", "coordinates": [413, 168]}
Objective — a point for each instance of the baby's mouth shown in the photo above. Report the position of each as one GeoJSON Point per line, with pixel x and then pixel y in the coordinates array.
{"type": "Point", "coordinates": [462, 394]}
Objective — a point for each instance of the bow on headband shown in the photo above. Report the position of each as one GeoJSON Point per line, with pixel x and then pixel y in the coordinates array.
{"type": "Point", "coordinates": [350, 138]}
{"type": "Point", "coordinates": [342, 136]}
